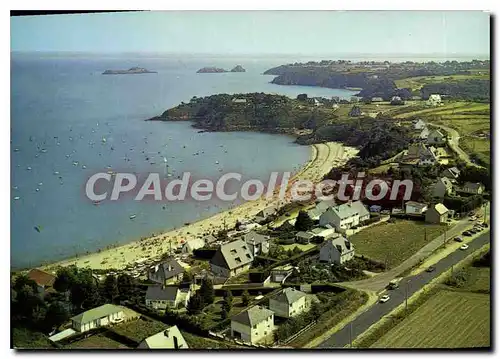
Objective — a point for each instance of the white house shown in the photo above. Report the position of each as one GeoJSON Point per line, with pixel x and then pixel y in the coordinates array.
{"type": "Point", "coordinates": [336, 250]}
{"type": "Point", "coordinates": [437, 213]}
{"type": "Point", "coordinates": [170, 338]}
{"type": "Point", "coordinates": [106, 314]}
{"type": "Point", "coordinates": [345, 216]}
{"type": "Point", "coordinates": [252, 325]}
{"type": "Point", "coordinates": [419, 125]}
{"type": "Point", "coordinates": [231, 259]}
{"type": "Point", "coordinates": [319, 209]}
{"type": "Point", "coordinates": [451, 173]}
{"type": "Point", "coordinates": [436, 137]}
{"type": "Point", "coordinates": [165, 273]}
{"type": "Point", "coordinates": [161, 297]}
{"type": "Point", "coordinates": [424, 134]}
{"type": "Point", "coordinates": [192, 244]}
{"type": "Point", "coordinates": [434, 100]}
{"type": "Point", "coordinates": [443, 187]}
{"type": "Point", "coordinates": [289, 303]}
{"type": "Point", "coordinates": [415, 208]}
{"type": "Point", "coordinates": [256, 242]}
{"type": "Point", "coordinates": [471, 188]}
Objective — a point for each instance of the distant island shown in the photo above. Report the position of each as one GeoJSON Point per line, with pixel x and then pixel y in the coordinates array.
{"type": "Point", "coordinates": [130, 71]}
{"type": "Point", "coordinates": [215, 70]}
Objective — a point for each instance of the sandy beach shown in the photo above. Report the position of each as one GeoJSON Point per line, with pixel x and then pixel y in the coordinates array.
{"type": "Point", "coordinates": [324, 157]}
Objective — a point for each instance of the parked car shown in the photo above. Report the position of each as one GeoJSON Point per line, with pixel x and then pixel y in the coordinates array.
{"type": "Point", "coordinates": [473, 218]}
{"type": "Point", "coordinates": [384, 298]}
{"type": "Point", "coordinates": [485, 225]}
{"type": "Point", "coordinates": [473, 231]}
{"type": "Point", "coordinates": [464, 247]}
{"type": "Point", "coordinates": [467, 233]}
{"type": "Point", "coordinates": [458, 239]}
{"type": "Point", "coordinates": [430, 269]}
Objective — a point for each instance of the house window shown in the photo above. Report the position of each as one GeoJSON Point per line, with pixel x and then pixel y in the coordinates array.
{"type": "Point", "coordinates": [238, 260]}
{"type": "Point", "coordinates": [255, 326]}
{"type": "Point", "coordinates": [233, 251]}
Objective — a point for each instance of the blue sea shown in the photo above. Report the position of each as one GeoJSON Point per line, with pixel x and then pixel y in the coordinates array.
{"type": "Point", "coordinates": [68, 122]}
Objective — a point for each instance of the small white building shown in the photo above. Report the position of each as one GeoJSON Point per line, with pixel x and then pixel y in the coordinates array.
{"type": "Point", "coordinates": [434, 100]}
{"type": "Point", "coordinates": [160, 297]}
{"type": "Point", "coordinates": [345, 216]}
{"type": "Point", "coordinates": [471, 188]}
{"type": "Point", "coordinates": [436, 137]}
{"type": "Point", "coordinates": [419, 125]}
{"type": "Point", "coordinates": [415, 208]}
{"type": "Point", "coordinates": [252, 325]}
{"type": "Point", "coordinates": [289, 303]}
{"type": "Point", "coordinates": [336, 250]}
{"type": "Point", "coordinates": [106, 314]}
{"type": "Point", "coordinates": [192, 244]}
{"type": "Point", "coordinates": [170, 338]}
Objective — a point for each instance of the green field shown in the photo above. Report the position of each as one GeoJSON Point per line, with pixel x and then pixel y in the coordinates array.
{"type": "Point", "coordinates": [449, 319]}
{"type": "Point", "coordinates": [394, 242]}
{"type": "Point", "coordinates": [97, 341]}
{"type": "Point", "coordinates": [479, 146]}
{"type": "Point", "coordinates": [197, 342]}
{"type": "Point", "coordinates": [416, 83]}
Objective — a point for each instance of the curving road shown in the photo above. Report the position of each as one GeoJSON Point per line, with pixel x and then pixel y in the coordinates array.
{"type": "Point", "coordinates": [411, 284]}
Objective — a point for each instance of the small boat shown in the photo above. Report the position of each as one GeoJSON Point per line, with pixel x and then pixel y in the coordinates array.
{"type": "Point", "coordinates": [133, 216]}
{"type": "Point", "coordinates": [75, 163]}
{"type": "Point", "coordinates": [28, 168]}
{"type": "Point", "coordinates": [96, 203]}
{"type": "Point", "coordinates": [56, 173]}
{"type": "Point", "coordinates": [17, 198]}
{"type": "Point", "coordinates": [37, 190]}
{"type": "Point", "coordinates": [16, 149]}
{"type": "Point", "coordinates": [40, 183]}
{"type": "Point", "coordinates": [216, 162]}
{"type": "Point", "coordinates": [43, 150]}
{"type": "Point", "coordinates": [84, 166]}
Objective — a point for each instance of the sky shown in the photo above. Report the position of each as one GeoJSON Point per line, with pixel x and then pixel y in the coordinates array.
{"type": "Point", "coordinates": [257, 32]}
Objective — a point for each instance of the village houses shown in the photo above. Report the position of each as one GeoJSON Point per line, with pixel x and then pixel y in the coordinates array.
{"type": "Point", "coordinates": [345, 216]}
{"type": "Point", "coordinates": [434, 100]}
{"type": "Point", "coordinates": [289, 303]}
{"type": "Point", "coordinates": [170, 338]}
{"type": "Point", "coordinates": [319, 209]}
{"type": "Point", "coordinates": [257, 243]}
{"type": "Point", "coordinates": [336, 250]}
{"type": "Point", "coordinates": [443, 187]}
{"type": "Point", "coordinates": [436, 138]}
{"type": "Point", "coordinates": [413, 208]}
{"type": "Point", "coordinates": [470, 188]}
{"type": "Point", "coordinates": [252, 325]}
{"type": "Point", "coordinates": [419, 124]}
{"type": "Point", "coordinates": [231, 259]}
{"type": "Point", "coordinates": [161, 297]}
{"type": "Point", "coordinates": [44, 281]}
{"type": "Point", "coordinates": [97, 317]}
{"type": "Point", "coordinates": [437, 213]}
{"type": "Point", "coordinates": [451, 173]}
{"type": "Point", "coordinates": [165, 273]}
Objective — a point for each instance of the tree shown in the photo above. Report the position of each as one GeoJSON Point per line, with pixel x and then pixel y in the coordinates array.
{"type": "Point", "coordinates": [224, 314]}
{"type": "Point", "coordinates": [110, 288]}
{"type": "Point", "coordinates": [245, 298]}
{"type": "Point", "coordinates": [303, 222]}
{"type": "Point", "coordinates": [207, 291]}
{"type": "Point", "coordinates": [195, 304]}
{"type": "Point", "coordinates": [23, 280]}
{"type": "Point", "coordinates": [124, 283]}
{"type": "Point", "coordinates": [228, 297]}
{"type": "Point", "coordinates": [66, 278]}
{"type": "Point", "coordinates": [56, 315]}
{"type": "Point", "coordinates": [187, 277]}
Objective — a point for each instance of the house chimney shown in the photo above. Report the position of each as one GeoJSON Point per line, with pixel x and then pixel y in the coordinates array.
{"type": "Point", "coordinates": [165, 333]}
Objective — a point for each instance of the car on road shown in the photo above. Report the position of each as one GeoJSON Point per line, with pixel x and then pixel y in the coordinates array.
{"type": "Point", "coordinates": [384, 298]}
{"type": "Point", "coordinates": [467, 233]}
{"type": "Point", "coordinates": [430, 269]}
{"type": "Point", "coordinates": [464, 247]}
{"type": "Point", "coordinates": [458, 239]}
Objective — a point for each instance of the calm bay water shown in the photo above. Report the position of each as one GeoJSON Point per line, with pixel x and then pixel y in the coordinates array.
{"type": "Point", "coordinates": [69, 122]}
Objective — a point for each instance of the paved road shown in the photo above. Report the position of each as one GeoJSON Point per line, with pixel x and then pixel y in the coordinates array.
{"type": "Point", "coordinates": [454, 143]}
{"type": "Point", "coordinates": [412, 284]}
{"type": "Point", "coordinates": [378, 282]}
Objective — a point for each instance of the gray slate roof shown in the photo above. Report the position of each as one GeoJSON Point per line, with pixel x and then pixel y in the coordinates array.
{"type": "Point", "coordinates": [232, 255]}
{"type": "Point", "coordinates": [343, 245]}
{"type": "Point", "coordinates": [320, 208]}
{"type": "Point", "coordinates": [359, 207]}
{"type": "Point", "coordinates": [168, 269]}
{"type": "Point", "coordinates": [252, 235]}
{"type": "Point", "coordinates": [289, 296]}
{"type": "Point", "coordinates": [252, 316]}
{"type": "Point", "coordinates": [157, 292]}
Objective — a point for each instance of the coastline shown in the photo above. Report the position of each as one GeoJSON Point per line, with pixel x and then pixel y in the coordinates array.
{"type": "Point", "coordinates": [324, 157]}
